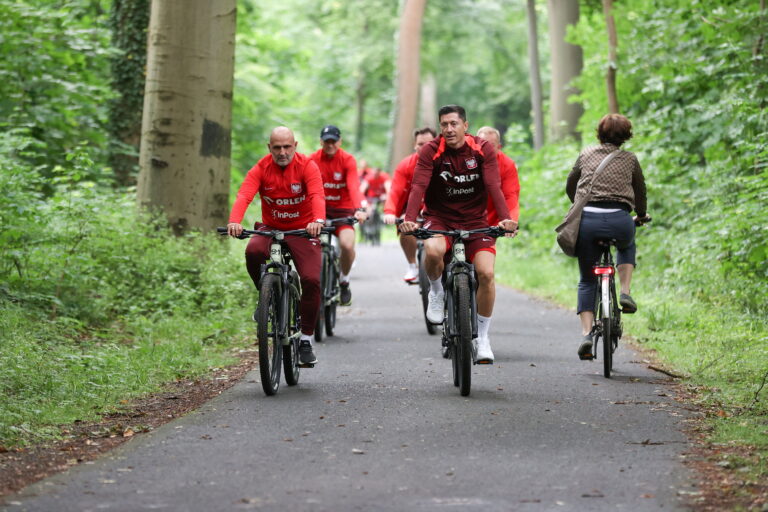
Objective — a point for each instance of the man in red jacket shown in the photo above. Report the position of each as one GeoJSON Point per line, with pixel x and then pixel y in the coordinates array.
{"type": "Point", "coordinates": [510, 185]}
{"type": "Point", "coordinates": [454, 176]}
{"type": "Point", "coordinates": [291, 193]}
{"type": "Point", "coordinates": [398, 196]}
{"type": "Point", "coordinates": [342, 198]}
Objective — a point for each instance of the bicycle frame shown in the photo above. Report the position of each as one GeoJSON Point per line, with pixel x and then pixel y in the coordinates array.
{"type": "Point", "coordinates": [460, 265]}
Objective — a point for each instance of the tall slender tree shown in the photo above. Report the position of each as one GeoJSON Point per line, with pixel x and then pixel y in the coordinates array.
{"type": "Point", "coordinates": [535, 76]}
{"type": "Point", "coordinates": [566, 64]}
{"type": "Point", "coordinates": [428, 101]}
{"type": "Point", "coordinates": [129, 20]}
{"type": "Point", "coordinates": [610, 73]}
{"type": "Point", "coordinates": [408, 60]}
{"type": "Point", "coordinates": [185, 144]}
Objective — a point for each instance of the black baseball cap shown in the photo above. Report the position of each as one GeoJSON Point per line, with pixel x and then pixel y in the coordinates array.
{"type": "Point", "coordinates": [330, 132]}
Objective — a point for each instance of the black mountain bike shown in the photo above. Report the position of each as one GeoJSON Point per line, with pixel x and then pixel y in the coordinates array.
{"type": "Point", "coordinates": [277, 314]}
{"type": "Point", "coordinates": [607, 327]}
{"type": "Point", "coordinates": [460, 319]}
{"type": "Point", "coordinates": [329, 279]}
{"type": "Point", "coordinates": [370, 230]}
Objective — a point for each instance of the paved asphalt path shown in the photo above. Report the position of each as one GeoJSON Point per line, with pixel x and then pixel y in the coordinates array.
{"type": "Point", "coordinates": [378, 425]}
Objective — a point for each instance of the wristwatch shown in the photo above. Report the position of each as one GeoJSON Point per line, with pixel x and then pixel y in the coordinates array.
{"type": "Point", "coordinates": [320, 221]}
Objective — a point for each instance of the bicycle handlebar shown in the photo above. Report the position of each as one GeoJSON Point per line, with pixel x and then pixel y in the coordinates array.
{"type": "Point", "coordinates": [493, 231]}
{"type": "Point", "coordinates": [347, 221]}
{"type": "Point", "coordinates": [248, 233]}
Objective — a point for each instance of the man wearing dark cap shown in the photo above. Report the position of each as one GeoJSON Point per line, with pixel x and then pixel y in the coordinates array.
{"type": "Point", "coordinates": [342, 198]}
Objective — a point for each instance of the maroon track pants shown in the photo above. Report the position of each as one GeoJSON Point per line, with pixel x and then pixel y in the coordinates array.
{"type": "Point", "coordinates": [306, 255]}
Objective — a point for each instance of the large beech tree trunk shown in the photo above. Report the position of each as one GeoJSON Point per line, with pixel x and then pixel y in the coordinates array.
{"type": "Point", "coordinates": [408, 57]}
{"type": "Point", "coordinates": [610, 74]}
{"type": "Point", "coordinates": [185, 141]}
{"type": "Point", "coordinates": [566, 64]}
{"type": "Point", "coordinates": [533, 61]}
{"type": "Point", "coordinates": [428, 102]}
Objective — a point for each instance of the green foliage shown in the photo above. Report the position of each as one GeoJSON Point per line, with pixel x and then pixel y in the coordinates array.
{"type": "Point", "coordinates": [53, 79]}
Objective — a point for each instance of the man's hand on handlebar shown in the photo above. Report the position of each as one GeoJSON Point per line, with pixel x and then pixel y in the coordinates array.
{"type": "Point", "coordinates": [509, 225]}
{"type": "Point", "coordinates": [313, 228]}
{"type": "Point", "coordinates": [234, 229]}
{"type": "Point", "coordinates": [389, 219]}
{"type": "Point", "coordinates": [361, 216]}
{"type": "Point", "coordinates": [407, 226]}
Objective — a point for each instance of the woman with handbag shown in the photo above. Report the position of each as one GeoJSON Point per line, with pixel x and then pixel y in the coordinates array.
{"type": "Point", "coordinates": [610, 184]}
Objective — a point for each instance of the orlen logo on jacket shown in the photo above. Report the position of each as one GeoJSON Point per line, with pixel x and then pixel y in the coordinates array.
{"type": "Point", "coordinates": [284, 201]}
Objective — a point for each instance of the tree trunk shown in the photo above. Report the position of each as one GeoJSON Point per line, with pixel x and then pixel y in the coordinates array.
{"type": "Point", "coordinates": [360, 110]}
{"type": "Point", "coordinates": [428, 102]}
{"type": "Point", "coordinates": [408, 57]}
{"type": "Point", "coordinates": [566, 64]}
{"type": "Point", "coordinates": [533, 61]}
{"type": "Point", "coordinates": [610, 75]}
{"type": "Point", "coordinates": [129, 20]}
{"type": "Point", "coordinates": [185, 145]}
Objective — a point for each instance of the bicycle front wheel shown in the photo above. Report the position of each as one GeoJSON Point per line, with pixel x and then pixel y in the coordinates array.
{"type": "Point", "coordinates": [268, 318]}
{"type": "Point", "coordinates": [329, 311]}
{"type": "Point", "coordinates": [324, 276]}
{"type": "Point", "coordinates": [463, 317]}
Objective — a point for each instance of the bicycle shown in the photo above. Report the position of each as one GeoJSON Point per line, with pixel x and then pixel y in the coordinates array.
{"type": "Point", "coordinates": [329, 279]}
{"type": "Point", "coordinates": [460, 319]}
{"type": "Point", "coordinates": [607, 324]}
{"type": "Point", "coordinates": [277, 314]}
{"type": "Point", "coordinates": [370, 231]}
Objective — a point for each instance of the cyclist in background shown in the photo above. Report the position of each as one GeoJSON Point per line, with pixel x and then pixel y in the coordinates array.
{"type": "Point", "coordinates": [454, 176]}
{"type": "Point", "coordinates": [510, 184]}
{"type": "Point", "coordinates": [342, 198]}
{"type": "Point", "coordinates": [291, 192]}
{"type": "Point", "coordinates": [375, 187]}
{"type": "Point", "coordinates": [397, 198]}
{"type": "Point", "coordinates": [619, 189]}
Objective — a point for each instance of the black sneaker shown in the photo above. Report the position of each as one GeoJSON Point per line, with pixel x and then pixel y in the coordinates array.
{"type": "Point", "coordinates": [346, 294]}
{"type": "Point", "coordinates": [627, 304]}
{"type": "Point", "coordinates": [585, 349]}
{"type": "Point", "coordinates": [306, 356]}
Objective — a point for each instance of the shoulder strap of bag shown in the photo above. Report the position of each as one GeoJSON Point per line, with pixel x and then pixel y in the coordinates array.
{"type": "Point", "coordinates": [600, 168]}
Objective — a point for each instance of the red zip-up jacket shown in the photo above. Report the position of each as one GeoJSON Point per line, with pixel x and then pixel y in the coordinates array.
{"type": "Point", "coordinates": [340, 180]}
{"type": "Point", "coordinates": [291, 198]}
{"type": "Point", "coordinates": [401, 185]}
{"type": "Point", "coordinates": [510, 187]}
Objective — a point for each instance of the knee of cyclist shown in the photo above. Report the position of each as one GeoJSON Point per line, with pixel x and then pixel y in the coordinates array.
{"type": "Point", "coordinates": [310, 283]}
{"type": "Point", "coordinates": [485, 277]}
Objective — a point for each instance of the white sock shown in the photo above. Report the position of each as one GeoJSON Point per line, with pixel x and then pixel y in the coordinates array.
{"type": "Point", "coordinates": [308, 337]}
{"type": "Point", "coordinates": [343, 278]}
{"type": "Point", "coordinates": [483, 325]}
{"type": "Point", "coordinates": [412, 266]}
{"type": "Point", "coordinates": [436, 286]}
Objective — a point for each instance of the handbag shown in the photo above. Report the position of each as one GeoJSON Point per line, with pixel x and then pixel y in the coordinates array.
{"type": "Point", "coordinates": [568, 230]}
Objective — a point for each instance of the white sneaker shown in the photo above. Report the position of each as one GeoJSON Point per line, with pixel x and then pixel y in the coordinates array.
{"type": "Point", "coordinates": [411, 274]}
{"type": "Point", "coordinates": [484, 352]}
{"type": "Point", "coordinates": [436, 307]}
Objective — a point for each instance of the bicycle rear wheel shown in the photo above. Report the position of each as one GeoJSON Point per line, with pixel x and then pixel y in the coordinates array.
{"type": "Point", "coordinates": [606, 325]}
{"type": "Point", "coordinates": [462, 315]}
{"type": "Point", "coordinates": [268, 318]}
{"type": "Point", "coordinates": [424, 291]}
{"type": "Point", "coordinates": [332, 290]}
{"type": "Point", "coordinates": [320, 322]}
{"type": "Point", "coordinates": [291, 351]}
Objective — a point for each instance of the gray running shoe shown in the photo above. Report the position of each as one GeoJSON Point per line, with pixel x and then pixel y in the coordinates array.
{"type": "Point", "coordinates": [306, 355]}
{"type": "Point", "coordinates": [585, 349]}
{"type": "Point", "coordinates": [628, 305]}
{"type": "Point", "coordinates": [346, 294]}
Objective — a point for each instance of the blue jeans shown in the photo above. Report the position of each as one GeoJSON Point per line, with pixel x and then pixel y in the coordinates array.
{"type": "Point", "coordinates": [618, 225]}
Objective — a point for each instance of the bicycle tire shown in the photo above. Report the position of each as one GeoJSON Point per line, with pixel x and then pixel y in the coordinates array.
{"type": "Point", "coordinates": [424, 291]}
{"type": "Point", "coordinates": [330, 309]}
{"type": "Point", "coordinates": [463, 317]}
{"type": "Point", "coordinates": [270, 348]}
{"type": "Point", "coordinates": [320, 322]}
{"type": "Point", "coordinates": [606, 324]}
{"type": "Point", "coordinates": [291, 351]}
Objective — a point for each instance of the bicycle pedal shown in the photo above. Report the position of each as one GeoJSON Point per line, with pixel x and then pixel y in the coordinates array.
{"type": "Point", "coordinates": [485, 361]}
{"type": "Point", "coordinates": [628, 312]}
{"type": "Point", "coordinates": [306, 365]}
{"type": "Point", "coordinates": [587, 357]}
